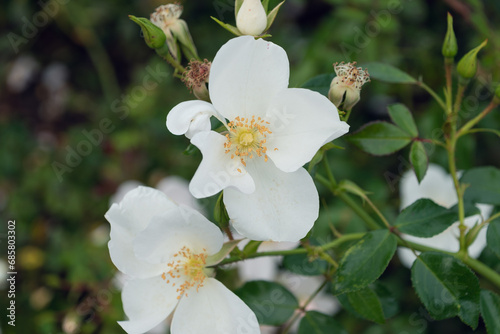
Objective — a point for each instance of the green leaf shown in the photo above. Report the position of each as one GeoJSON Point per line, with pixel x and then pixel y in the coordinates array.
{"type": "Point", "coordinates": [424, 219]}
{"type": "Point", "coordinates": [403, 118]}
{"type": "Point", "coordinates": [490, 310]}
{"type": "Point", "coordinates": [228, 27]}
{"type": "Point", "coordinates": [363, 303]}
{"type": "Point", "coordinates": [302, 264]}
{"type": "Point", "coordinates": [365, 261]}
{"type": "Point", "coordinates": [446, 287]}
{"type": "Point", "coordinates": [388, 73]}
{"type": "Point", "coordinates": [320, 83]}
{"type": "Point", "coordinates": [419, 160]}
{"type": "Point", "coordinates": [272, 303]}
{"type": "Point", "coordinates": [484, 185]}
{"type": "Point", "coordinates": [380, 138]}
{"type": "Point", "coordinates": [318, 323]}
{"type": "Point", "coordinates": [389, 302]}
{"type": "Point", "coordinates": [493, 237]}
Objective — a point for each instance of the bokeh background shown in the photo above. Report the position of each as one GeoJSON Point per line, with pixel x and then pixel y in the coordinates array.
{"type": "Point", "coordinates": [83, 104]}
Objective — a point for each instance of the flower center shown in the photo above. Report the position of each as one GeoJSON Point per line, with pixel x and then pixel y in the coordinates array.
{"type": "Point", "coordinates": [187, 267]}
{"type": "Point", "coordinates": [247, 138]}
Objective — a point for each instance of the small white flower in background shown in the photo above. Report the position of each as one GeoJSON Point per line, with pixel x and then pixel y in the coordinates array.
{"type": "Point", "coordinates": [266, 267]}
{"type": "Point", "coordinates": [251, 18]}
{"type": "Point", "coordinates": [438, 186]}
{"type": "Point", "coordinates": [304, 286]}
{"type": "Point", "coordinates": [21, 73]}
{"type": "Point", "coordinates": [345, 88]}
{"type": "Point", "coordinates": [167, 17]}
{"type": "Point", "coordinates": [163, 248]}
{"type": "Point", "coordinates": [272, 131]}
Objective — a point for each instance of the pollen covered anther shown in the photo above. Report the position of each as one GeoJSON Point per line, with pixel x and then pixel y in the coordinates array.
{"type": "Point", "coordinates": [246, 138]}
{"type": "Point", "coordinates": [188, 267]}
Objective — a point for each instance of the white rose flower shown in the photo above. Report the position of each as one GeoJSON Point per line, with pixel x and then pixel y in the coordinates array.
{"type": "Point", "coordinates": [438, 186]}
{"type": "Point", "coordinates": [164, 248]}
{"type": "Point", "coordinates": [272, 132]}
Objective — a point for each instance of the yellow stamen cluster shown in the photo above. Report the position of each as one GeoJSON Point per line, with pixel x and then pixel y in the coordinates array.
{"type": "Point", "coordinates": [247, 138]}
{"type": "Point", "coordinates": [187, 266]}
{"type": "Point", "coordinates": [351, 75]}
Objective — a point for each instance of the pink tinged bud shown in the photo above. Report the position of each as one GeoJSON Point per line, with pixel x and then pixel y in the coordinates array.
{"type": "Point", "coordinates": [251, 18]}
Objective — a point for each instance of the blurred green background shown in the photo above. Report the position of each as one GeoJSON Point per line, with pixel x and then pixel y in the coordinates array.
{"type": "Point", "coordinates": [77, 118]}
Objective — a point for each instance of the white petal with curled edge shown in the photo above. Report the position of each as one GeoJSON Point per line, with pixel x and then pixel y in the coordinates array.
{"type": "Point", "coordinates": [301, 121]}
{"type": "Point", "coordinates": [217, 170]}
{"type": "Point", "coordinates": [213, 309]}
{"type": "Point", "coordinates": [123, 257]}
{"type": "Point", "coordinates": [135, 210]}
{"type": "Point", "coordinates": [146, 303]}
{"type": "Point", "coordinates": [190, 117]}
{"type": "Point", "coordinates": [168, 234]}
{"type": "Point", "coordinates": [245, 75]}
{"type": "Point", "coordinates": [283, 207]}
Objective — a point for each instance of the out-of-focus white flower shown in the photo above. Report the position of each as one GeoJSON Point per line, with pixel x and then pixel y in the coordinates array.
{"type": "Point", "coordinates": [251, 18]}
{"type": "Point", "coordinates": [164, 247]}
{"type": "Point", "coordinates": [22, 73]}
{"type": "Point", "coordinates": [438, 186]}
{"type": "Point", "coordinates": [272, 132]}
{"type": "Point", "coordinates": [345, 88]}
{"type": "Point", "coordinates": [266, 267]}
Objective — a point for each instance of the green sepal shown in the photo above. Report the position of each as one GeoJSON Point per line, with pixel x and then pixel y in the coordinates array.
{"type": "Point", "coordinates": [153, 36]}
{"type": "Point", "coordinates": [220, 213]}
{"type": "Point", "coordinates": [216, 258]}
{"type": "Point", "coordinates": [232, 29]}
{"type": "Point", "coordinates": [272, 14]}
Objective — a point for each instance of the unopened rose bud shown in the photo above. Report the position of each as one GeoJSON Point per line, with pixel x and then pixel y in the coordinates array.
{"type": "Point", "coordinates": [167, 17]}
{"type": "Point", "coordinates": [153, 36]}
{"type": "Point", "coordinates": [450, 47]}
{"type": "Point", "coordinates": [467, 66]}
{"type": "Point", "coordinates": [196, 78]}
{"type": "Point", "coordinates": [251, 18]}
{"type": "Point", "coordinates": [346, 86]}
